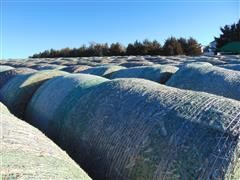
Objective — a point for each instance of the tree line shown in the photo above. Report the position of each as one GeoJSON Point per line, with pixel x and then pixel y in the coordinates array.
{"type": "Point", "coordinates": [171, 47]}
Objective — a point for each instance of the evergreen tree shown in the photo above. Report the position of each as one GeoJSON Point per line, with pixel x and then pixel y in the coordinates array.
{"type": "Point", "coordinates": [116, 49]}
{"type": "Point", "coordinates": [229, 33]}
{"type": "Point", "coordinates": [184, 44]}
{"type": "Point", "coordinates": [193, 47]}
{"type": "Point", "coordinates": [172, 47]}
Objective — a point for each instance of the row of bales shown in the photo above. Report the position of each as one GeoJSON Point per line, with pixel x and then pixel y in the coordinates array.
{"type": "Point", "coordinates": [116, 122]}
{"type": "Point", "coordinates": [227, 61]}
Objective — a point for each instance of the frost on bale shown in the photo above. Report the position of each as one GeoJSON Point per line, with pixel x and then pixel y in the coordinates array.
{"type": "Point", "coordinates": [28, 154]}
{"type": "Point", "coordinates": [157, 73]}
{"type": "Point", "coordinates": [139, 129]}
{"type": "Point", "coordinates": [53, 99]}
{"type": "Point", "coordinates": [17, 92]}
{"type": "Point", "coordinates": [207, 78]}
{"type": "Point", "coordinates": [5, 76]}
{"type": "Point", "coordinates": [104, 71]}
{"type": "Point", "coordinates": [5, 68]}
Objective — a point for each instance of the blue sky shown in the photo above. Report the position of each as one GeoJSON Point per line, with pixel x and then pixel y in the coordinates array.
{"type": "Point", "coordinates": [28, 27]}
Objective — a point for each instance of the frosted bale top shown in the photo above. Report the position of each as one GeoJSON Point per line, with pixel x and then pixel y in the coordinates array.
{"type": "Point", "coordinates": [17, 92]}
{"type": "Point", "coordinates": [5, 76]}
{"type": "Point", "coordinates": [158, 73]}
{"type": "Point", "coordinates": [104, 71]}
{"type": "Point", "coordinates": [27, 154]}
{"type": "Point", "coordinates": [5, 68]}
{"type": "Point", "coordinates": [139, 129]}
{"type": "Point", "coordinates": [55, 97]}
{"type": "Point", "coordinates": [207, 78]}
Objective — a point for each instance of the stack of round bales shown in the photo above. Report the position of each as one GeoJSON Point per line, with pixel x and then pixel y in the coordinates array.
{"type": "Point", "coordinates": [17, 92]}
{"type": "Point", "coordinates": [157, 73]}
{"type": "Point", "coordinates": [5, 76]}
{"type": "Point", "coordinates": [26, 153]}
{"type": "Point", "coordinates": [139, 129]}
{"type": "Point", "coordinates": [5, 68]}
{"type": "Point", "coordinates": [104, 71]}
{"type": "Point", "coordinates": [54, 99]}
{"type": "Point", "coordinates": [207, 78]}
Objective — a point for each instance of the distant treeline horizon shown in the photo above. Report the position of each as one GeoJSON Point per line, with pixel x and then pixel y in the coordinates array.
{"type": "Point", "coordinates": [172, 46]}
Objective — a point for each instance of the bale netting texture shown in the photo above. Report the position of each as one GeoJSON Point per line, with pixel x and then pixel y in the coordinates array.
{"type": "Point", "coordinates": [139, 129]}
{"type": "Point", "coordinates": [28, 154]}
{"type": "Point", "coordinates": [104, 71]}
{"type": "Point", "coordinates": [207, 78]}
{"type": "Point", "coordinates": [17, 92]}
{"type": "Point", "coordinates": [5, 68]}
{"type": "Point", "coordinates": [7, 75]}
{"type": "Point", "coordinates": [158, 73]}
{"type": "Point", "coordinates": [53, 99]}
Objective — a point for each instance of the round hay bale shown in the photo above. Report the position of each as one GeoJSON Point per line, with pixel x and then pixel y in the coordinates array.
{"type": "Point", "coordinates": [3, 62]}
{"type": "Point", "coordinates": [207, 78]}
{"type": "Point", "coordinates": [5, 76]}
{"type": "Point", "coordinates": [158, 73]}
{"type": "Point", "coordinates": [135, 64]}
{"type": "Point", "coordinates": [139, 129]}
{"type": "Point", "coordinates": [5, 68]}
{"type": "Point", "coordinates": [55, 97]}
{"type": "Point", "coordinates": [26, 153]}
{"type": "Point", "coordinates": [104, 71]}
{"type": "Point", "coordinates": [17, 92]}
{"type": "Point", "coordinates": [47, 67]}
{"type": "Point", "coordinates": [75, 68]}
{"type": "Point", "coordinates": [212, 60]}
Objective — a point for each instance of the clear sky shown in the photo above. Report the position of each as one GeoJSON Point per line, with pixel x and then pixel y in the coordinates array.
{"type": "Point", "coordinates": [28, 27]}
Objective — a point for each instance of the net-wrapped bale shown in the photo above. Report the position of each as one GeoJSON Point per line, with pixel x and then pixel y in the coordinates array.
{"type": "Point", "coordinates": [139, 129]}
{"type": "Point", "coordinates": [26, 153]}
{"type": "Point", "coordinates": [75, 68]}
{"type": "Point", "coordinates": [17, 92]}
{"type": "Point", "coordinates": [55, 97]}
{"type": "Point", "coordinates": [157, 73]}
{"type": "Point", "coordinates": [104, 71]}
{"type": "Point", "coordinates": [135, 64]}
{"type": "Point", "coordinates": [207, 78]}
{"type": "Point", "coordinates": [5, 68]}
{"type": "Point", "coordinates": [5, 76]}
